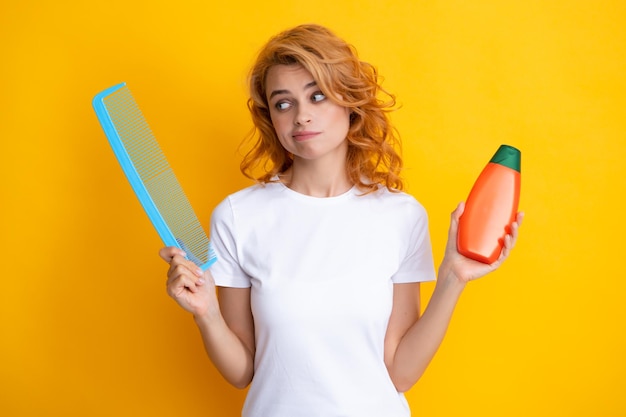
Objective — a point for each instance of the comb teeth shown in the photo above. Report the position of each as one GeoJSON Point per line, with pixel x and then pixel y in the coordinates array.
{"type": "Point", "coordinates": [136, 135]}
{"type": "Point", "coordinates": [157, 177]}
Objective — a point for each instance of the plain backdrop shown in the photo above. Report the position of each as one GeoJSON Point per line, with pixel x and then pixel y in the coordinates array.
{"type": "Point", "coordinates": [86, 328]}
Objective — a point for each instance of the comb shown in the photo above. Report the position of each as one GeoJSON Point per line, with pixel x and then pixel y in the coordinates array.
{"type": "Point", "coordinates": [150, 175]}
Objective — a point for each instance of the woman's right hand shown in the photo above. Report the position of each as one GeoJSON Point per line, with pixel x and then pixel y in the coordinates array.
{"type": "Point", "coordinates": [192, 288]}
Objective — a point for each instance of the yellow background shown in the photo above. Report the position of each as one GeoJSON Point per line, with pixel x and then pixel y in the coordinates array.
{"type": "Point", "coordinates": [86, 326]}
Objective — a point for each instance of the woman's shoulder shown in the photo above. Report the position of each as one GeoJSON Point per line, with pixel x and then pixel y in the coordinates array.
{"type": "Point", "coordinates": [396, 197]}
{"type": "Point", "coordinates": [258, 191]}
{"type": "Point", "coordinates": [398, 206]}
{"type": "Point", "coordinates": [250, 196]}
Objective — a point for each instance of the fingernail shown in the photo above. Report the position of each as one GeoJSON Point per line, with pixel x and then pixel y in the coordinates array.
{"type": "Point", "coordinates": [201, 281]}
{"type": "Point", "coordinates": [199, 272]}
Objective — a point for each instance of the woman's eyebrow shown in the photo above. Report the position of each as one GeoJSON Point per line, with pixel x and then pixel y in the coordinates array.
{"type": "Point", "coordinates": [276, 92]}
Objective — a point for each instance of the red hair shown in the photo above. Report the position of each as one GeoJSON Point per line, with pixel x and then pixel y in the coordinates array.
{"type": "Point", "coordinates": [373, 157]}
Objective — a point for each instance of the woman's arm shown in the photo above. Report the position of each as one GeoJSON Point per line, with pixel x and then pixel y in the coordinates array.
{"type": "Point", "coordinates": [229, 337]}
{"type": "Point", "coordinates": [411, 342]}
{"type": "Point", "coordinates": [225, 324]}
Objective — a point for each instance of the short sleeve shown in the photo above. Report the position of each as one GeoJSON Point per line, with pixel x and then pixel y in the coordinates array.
{"type": "Point", "coordinates": [227, 271]}
{"type": "Point", "coordinates": [418, 264]}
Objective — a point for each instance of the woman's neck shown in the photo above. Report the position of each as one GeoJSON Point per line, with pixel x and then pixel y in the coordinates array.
{"type": "Point", "coordinates": [317, 179]}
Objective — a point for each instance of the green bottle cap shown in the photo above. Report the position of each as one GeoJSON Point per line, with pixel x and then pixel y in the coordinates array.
{"type": "Point", "coordinates": [509, 157]}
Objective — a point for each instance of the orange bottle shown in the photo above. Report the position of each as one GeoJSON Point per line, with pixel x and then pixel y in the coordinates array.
{"type": "Point", "coordinates": [491, 207]}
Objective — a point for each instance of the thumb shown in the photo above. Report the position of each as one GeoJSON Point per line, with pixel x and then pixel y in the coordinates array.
{"type": "Point", "coordinates": [454, 218]}
{"type": "Point", "coordinates": [188, 253]}
{"type": "Point", "coordinates": [454, 226]}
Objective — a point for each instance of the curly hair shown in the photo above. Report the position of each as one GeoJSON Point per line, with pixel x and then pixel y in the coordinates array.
{"type": "Point", "coordinates": [373, 157]}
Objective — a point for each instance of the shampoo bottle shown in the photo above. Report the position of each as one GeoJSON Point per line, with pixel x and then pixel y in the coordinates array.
{"type": "Point", "coordinates": [491, 207]}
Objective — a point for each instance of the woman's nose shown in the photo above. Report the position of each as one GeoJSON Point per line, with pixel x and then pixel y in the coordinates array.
{"type": "Point", "coordinates": [303, 116]}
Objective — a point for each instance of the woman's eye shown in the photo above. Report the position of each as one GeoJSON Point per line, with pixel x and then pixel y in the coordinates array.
{"type": "Point", "coordinates": [319, 96]}
{"type": "Point", "coordinates": [282, 105]}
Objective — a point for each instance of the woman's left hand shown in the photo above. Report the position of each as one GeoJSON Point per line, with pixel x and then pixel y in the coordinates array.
{"type": "Point", "coordinates": [465, 269]}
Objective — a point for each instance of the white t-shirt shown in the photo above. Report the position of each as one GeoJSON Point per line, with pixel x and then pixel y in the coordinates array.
{"type": "Point", "coordinates": [321, 272]}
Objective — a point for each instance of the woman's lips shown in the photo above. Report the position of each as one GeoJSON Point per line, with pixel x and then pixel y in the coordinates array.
{"type": "Point", "coordinates": [304, 135]}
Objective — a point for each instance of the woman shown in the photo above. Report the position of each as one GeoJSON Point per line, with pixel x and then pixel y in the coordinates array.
{"type": "Point", "coordinates": [320, 263]}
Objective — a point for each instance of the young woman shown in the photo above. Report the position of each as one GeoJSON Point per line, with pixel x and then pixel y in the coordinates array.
{"type": "Point", "coordinates": [320, 263]}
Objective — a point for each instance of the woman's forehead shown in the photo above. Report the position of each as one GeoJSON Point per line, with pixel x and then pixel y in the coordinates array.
{"type": "Point", "coordinates": [288, 77]}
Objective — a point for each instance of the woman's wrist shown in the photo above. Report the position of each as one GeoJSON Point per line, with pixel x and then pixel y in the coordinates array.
{"type": "Point", "coordinates": [208, 317]}
{"type": "Point", "coordinates": [447, 279]}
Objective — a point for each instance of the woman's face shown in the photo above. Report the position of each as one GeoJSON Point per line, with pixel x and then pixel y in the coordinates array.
{"type": "Point", "coordinates": [308, 124]}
